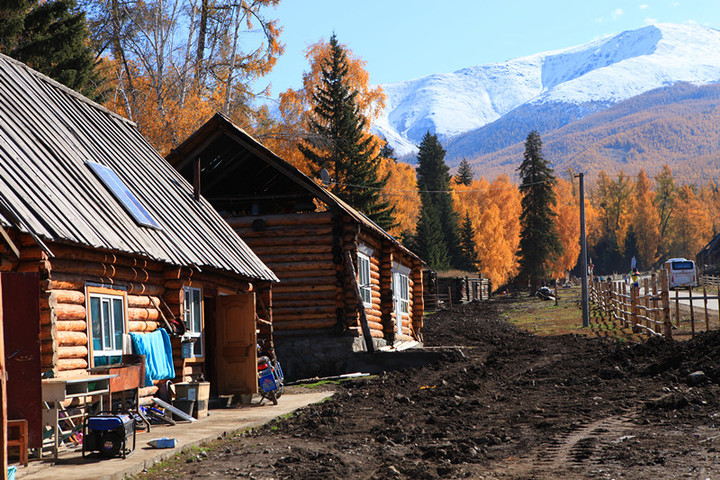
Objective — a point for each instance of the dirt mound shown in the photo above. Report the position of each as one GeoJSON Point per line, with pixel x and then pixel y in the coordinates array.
{"type": "Point", "coordinates": [518, 406]}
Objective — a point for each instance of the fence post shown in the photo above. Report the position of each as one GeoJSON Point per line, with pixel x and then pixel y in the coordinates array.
{"type": "Point", "coordinates": [665, 300]}
{"type": "Point", "coordinates": [467, 288]}
{"type": "Point", "coordinates": [634, 305]}
{"type": "Point", "coordinates": [707, 318]}
{"type": "Point", "coordinates": [692, 313]}
{"type": "Point", "coordinates": [646, 286]}
{"type": "Point", "coordinates": [450, 297]}
{"type": "Point", "coordinates": [677, 308]}
{"type": "Point", "coordinates": [656, 316]}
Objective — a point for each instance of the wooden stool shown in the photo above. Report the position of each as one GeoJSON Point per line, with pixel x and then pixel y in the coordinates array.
{"type": "Point", "coordinates": [17, 437]}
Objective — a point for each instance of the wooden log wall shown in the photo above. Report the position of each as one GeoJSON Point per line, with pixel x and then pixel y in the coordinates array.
{"type": "Point", "coordinates": [63, 317]}
{"type": "Point", "coordinates": [374, 313]}
{"type": "Point", "coordinates": [299, 249]}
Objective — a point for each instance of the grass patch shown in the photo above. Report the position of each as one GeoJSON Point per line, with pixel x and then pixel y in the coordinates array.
{"type": "Point", "coordinates": [543, 317]}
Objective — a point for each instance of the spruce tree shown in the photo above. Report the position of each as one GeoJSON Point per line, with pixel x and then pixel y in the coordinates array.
{"type": "Point", "coordinates": [429, 238]}
{"type": "Point", "coordinates": [338, 141]}
{"type": "Point", "coordinates": [539, 240]}
{"type": "Point", "coordinates": [467, 245]}
{"type": "Point", "coordinates": [434, 185]}
{"type": "Point", "coordinates": [51, 37]}
{"type": "Point", "coordinates": [12, 22]}
{"type": "Point", "coordinates": [465, 174]}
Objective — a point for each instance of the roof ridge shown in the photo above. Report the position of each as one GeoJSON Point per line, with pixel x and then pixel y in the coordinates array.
{"type": "Point", "coordinates": [65, 89]}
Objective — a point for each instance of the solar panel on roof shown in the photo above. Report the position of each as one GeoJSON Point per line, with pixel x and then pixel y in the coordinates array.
{"type": "Point", "coordinates": [123, 195]}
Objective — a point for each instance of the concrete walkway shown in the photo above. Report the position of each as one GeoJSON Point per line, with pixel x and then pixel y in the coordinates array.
{"type": "Point", "coordinates": [72, 466]}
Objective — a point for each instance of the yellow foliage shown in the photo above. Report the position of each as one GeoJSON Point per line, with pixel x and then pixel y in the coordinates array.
{"type": "Point", "coordinates": [567, 223]}
{"type": "Point", "coordinates": [401, 191]}
{"type": "Point", "coordinates": [495, 213]}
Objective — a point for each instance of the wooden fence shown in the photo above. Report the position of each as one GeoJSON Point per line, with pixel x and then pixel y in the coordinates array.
{"type": "Point", "coordinates": [656, 310]}
{"type": "Point", "coordinates": [449, 291]}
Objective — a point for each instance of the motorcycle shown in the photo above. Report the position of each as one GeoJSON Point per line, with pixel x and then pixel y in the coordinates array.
{"type": "Point", "coordinates": [270, 379]}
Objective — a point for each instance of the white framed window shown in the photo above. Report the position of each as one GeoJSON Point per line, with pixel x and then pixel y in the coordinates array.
{"type": "Point", "coordinates": [404, 293]}
{"type": "Point", "coordinates": [364, 279]}
{"type": "Point", "coordinates": [107, 325]}
{"type": "Point", "coordinates": [192, 316]}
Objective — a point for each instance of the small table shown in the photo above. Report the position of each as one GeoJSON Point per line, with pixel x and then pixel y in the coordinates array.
{"type": "Point", "coordinates": [57, 390]}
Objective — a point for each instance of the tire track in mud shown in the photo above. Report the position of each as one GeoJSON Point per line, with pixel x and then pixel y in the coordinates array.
{"type": "Point", "coordinates": [577, 447]}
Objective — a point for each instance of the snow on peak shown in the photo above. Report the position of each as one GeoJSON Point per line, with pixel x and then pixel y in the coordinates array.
{"type": "Point", "coordinates": [607, 70]}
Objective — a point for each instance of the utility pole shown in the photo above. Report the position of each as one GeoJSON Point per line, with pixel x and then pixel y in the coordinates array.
{"type": "Point", "coordinates": [583, 255]}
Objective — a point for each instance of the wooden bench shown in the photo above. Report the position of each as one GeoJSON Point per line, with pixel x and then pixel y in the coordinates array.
{"type": "Point", "coordinates": [17, 437]}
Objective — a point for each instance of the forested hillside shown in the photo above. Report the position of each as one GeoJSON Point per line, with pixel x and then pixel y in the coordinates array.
{"type": "Point", "coordinates": [676, 125]}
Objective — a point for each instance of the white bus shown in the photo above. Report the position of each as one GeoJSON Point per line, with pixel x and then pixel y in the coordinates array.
{"type": "Point", "coordinates": [681, 272]}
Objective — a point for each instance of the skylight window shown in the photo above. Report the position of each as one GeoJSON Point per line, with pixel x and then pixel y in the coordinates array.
{"type": "Point", "coordinates": [128, 200]}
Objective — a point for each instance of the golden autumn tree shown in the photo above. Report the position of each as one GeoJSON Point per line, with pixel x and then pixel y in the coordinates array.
{"type": "Point", "coordinates": [494, 209]}
{"type": "Point", "coordinates": [567, 223]}
{"type": "Point", "coordinates": [401, 191]}
{"type": "Point", "coordinates": [691, 226]}
{"type": "Point", "coordinates": [645, 222]}
{"type": "Point", "coordinates": [171, 64]}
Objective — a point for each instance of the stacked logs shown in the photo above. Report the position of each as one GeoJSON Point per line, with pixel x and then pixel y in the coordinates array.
{"type": "Point", "coordinates": [63, 316]}
{"type": "Point", "coordinates": [299, 249]}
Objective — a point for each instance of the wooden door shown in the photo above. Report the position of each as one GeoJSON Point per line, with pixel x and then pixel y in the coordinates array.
{"type": "Point", "coordinates": [236, 344]}
{"type": "Point", "coordinates": [21, 319]}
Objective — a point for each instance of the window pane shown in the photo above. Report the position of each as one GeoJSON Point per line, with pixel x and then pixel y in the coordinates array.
{"type": "Point", "coordinates": [187, 310]}
{"type": "Point", "coordinates": [106, 325]}
{"type": "Point", "coordinates": [95, 320]}
{"type": "Point", "coordinates": [119, 327]}
{"type": "Point", "coordinates": [197, 317]}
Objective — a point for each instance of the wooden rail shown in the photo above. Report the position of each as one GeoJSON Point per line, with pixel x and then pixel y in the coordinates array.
{"type": "Point", "coordinates": [656, 310]}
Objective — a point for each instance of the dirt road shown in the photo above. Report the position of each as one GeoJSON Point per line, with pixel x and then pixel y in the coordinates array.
{"type": "Point", "coordinates": [518, 407]}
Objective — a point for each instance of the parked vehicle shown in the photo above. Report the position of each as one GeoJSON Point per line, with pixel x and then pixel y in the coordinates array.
{"type": "Point", "coordinates": [681, 273]}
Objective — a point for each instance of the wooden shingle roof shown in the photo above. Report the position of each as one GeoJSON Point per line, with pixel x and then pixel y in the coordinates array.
{"type": "Point", "coordinates": [48, 133]}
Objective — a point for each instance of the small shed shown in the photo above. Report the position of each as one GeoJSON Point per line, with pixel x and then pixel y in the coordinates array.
{"type": "Point", "coordinates": [103, 240]}
{"type": "Point", "coordinates": [317, 245]}
{"type": "Point", "coordinates": [708, 259]}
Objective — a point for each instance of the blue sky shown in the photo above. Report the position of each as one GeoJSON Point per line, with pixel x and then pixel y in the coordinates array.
{"type": "Point", "coordinates": [404, 39]}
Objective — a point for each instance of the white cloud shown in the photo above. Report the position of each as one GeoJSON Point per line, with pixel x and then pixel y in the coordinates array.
{"type": "Point", "coordinates": [617, 13]}
{"type": "Point", "coordinates": [649, 21]}
{"type": "Point", "coordinates": [643, 6]}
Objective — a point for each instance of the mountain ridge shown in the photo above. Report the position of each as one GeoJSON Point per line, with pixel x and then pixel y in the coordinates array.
{"type": "Point", "coordinates": [559, 87]}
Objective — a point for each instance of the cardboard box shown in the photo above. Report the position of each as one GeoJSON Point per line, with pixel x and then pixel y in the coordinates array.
{"type": "Point", "coordinates": [199, 392]}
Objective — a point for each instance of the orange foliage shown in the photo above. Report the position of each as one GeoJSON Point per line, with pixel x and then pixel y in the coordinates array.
{"type": "Point", "coordinates": [567, 223]}
{"type": "Point", "coordinates": [692, 226]}
{"type": "Point", "coordinates": [401, 191]}
{"type": "Point", "coordinates": [645, 221]}
{"type": "Point", "coordinates": [495, 213]}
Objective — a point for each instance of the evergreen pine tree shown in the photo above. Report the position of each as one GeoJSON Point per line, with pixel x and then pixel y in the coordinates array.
{"type": "Point", "coordinates": [539, 240]}
{"type": "Point", "coordinates": [338, 142]}
{"type": "Point", "coordinates": [434, 183]}
{"type": "Point", "coordinates": [51, 37]}
{"type": "Point", "coordinates": [467, 245]}
{"type": "Point", "coordinates": [465, 174]}
{"type": "Point", "coordinates": [429, 238]}
{"type": "Point", "coordinates": [12, 21]}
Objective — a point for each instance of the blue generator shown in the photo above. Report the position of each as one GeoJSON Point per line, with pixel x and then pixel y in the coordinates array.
{"type": "Point", "coordinates": [109, 433]}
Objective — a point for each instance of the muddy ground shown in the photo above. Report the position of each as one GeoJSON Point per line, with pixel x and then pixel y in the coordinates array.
{"type": "Point", "coordinates": [518, 406]}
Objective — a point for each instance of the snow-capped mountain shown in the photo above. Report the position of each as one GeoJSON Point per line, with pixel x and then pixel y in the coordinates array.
{"type": "Point", "coordinates": [588, 77]}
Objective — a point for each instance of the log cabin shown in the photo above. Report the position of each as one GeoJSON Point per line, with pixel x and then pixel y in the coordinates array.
{"type": "Point", "coordinates": [102, 238]}
{"type": "Point", "coordinates": [346, 285]}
